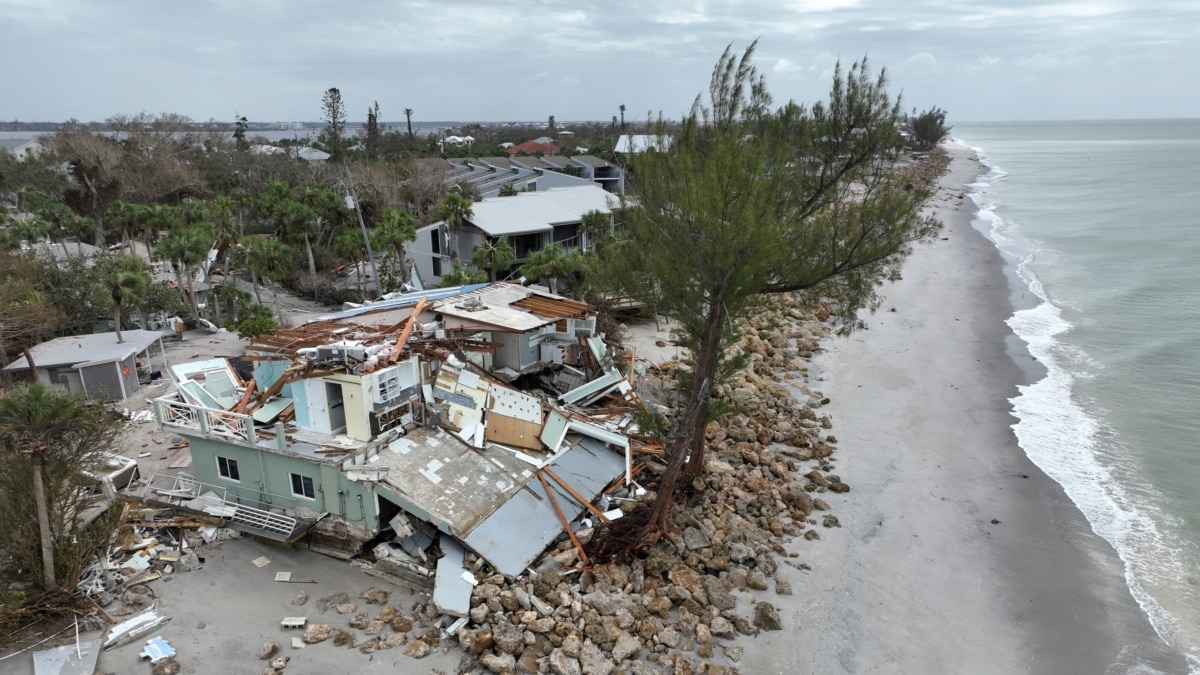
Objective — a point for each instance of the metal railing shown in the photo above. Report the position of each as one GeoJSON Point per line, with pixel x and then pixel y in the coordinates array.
{"type": "Point", "coordinates": [186, 492]}
{"type": "Point", "coordinates": [172, 412]}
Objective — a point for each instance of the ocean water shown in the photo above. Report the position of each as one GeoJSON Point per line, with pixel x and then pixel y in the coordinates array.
{"type": "Point", "coordinates": [1101, 221]}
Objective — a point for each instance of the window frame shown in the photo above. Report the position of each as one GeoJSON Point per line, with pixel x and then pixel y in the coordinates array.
{"type": "Point", "coordinates": [304, 482]}
{"type": "Point", "coordinates": [224, 464]}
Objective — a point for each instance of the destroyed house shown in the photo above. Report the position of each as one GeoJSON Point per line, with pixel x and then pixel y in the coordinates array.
{"type": "Point", "coordinates": [526, 328]}
{"type": "Point", "coordinates": [361, 438]}
{"type": "Point", "coordinates": [530, 329]}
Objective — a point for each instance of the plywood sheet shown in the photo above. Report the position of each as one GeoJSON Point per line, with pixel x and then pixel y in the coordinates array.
{"type": "Point", "coordinates": [513, 432]}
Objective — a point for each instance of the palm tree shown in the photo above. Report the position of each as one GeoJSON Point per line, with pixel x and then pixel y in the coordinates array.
{"type": "Point", "coordinates": [267, 258]}
{"type": "Point", "coordinates": [455, 209]}
{"type": "Point", "coordinates": [121, 281]}
{"type": "Point", "coordinates": [552, 263]}
{"type": "Point", "coordinates": [39, 421]}
{"type": "Point", "coordinates": [245, 253]}
{"type": "Point", "coordinates": [392, 231]}
{"type": "Point", "coordinates": [461, 276]}
{"type": "Point", "coordinates": [227, 229]}
{"type": "Point", "coordinates": [294, 219]}
{"type": "Point", "coordinates": [329, 211]}
{"type": "Point", "coordinates": [193, 212]}
{"type": "Point", "coordinates": [186, 247]}
{"type": "Point", "coordinates": [622, 117]}
{"type": "Point", "coordinates": [595, 224]}
{"type": "Point", "coordinates": [408, 115]}
{"type": "Point", "coordinates": [162, 218]}
{"type": "Point", "coordinates": [493, 255]}
{"type": "Point", "coordinates": [16, 231]}
{"type": "Point", "coordinates": [129, 219]}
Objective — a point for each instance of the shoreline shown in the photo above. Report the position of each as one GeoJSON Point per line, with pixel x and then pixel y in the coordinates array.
{"type": "Point", "coordinates": [956, 553]}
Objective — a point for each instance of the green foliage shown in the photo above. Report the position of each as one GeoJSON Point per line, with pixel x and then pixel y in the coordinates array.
{"type": "Point", "coordinates": [46, 425]}
{"type": "Point", "coordinates": [228, 301]}
{"type": "Point", "coordinates": [595, 224]}
{"type": "Point", "coordinates": [161, 297]}
{"type": "Point", "coordinates": [455, 209]}
{"type": "Point", "coordinates": [240, 127]}
{"type": "Point", "coordinates": [333, 112]}
{"type": "Point", "coordinates": [929, 128]}
{"type": "Point", "coordinates": [371, 137]}
{"type": "Point", "coordinates": [186, 247]}
{"type": "Point", "coordinates": [68, 284]}
{"type": "Point", "coordinates": [495, 256]}
{"type": "Point", "coordinates": [461, 276]}
{"type": "Point", "coordinates": [749, 199]}
{"type": "Point", "coordinates": [552, 263]}
{"type": "Point", "coordinates": [392, 231]}
{"type": "Point", "coordinates": [121, 281]}
{"type": "Point", "coordinates": [255, 320]}
{"type": "Point", "coordinates": [26, 311]}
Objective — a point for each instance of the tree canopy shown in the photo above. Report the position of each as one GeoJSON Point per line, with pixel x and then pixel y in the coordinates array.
{"type": "Point", "coordinates": [928, 128]}
{"type": "Point", "coordinates": [47, 438]}
{"type": "Point", "coordinates": [749, 199]}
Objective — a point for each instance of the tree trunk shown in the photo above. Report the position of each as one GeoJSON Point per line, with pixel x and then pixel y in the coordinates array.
{"type": "Point", "coordinates": [33, 374]}
{"type": "Point", "coordinates": [117, 323]}
{"type": "Point", "coordinates": [695, 465]}
{"type": "Point", "coordinates": [254, 280]}
{"type": "Point", "coordinates": [312, 265]}
{"type": "Point", "coordinates": [191, 295]}
{"type": "Point", "coordinates": [43, 516]}
{"type": "Point", "coordinates": [183, 290]}
{"type": "Point", "coordinates": [688, 428]}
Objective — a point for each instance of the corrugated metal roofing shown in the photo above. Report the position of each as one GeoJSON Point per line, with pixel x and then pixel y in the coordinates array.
{"type": "Point", "coordinates": [399, 302]}
{"type": "Point", "coordinates": [517, 532]}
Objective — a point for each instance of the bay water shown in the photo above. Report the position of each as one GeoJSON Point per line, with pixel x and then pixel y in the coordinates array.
{"type": "Point", "coordinates": [1100, 221]}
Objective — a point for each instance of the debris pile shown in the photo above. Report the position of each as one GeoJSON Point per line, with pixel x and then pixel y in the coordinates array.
{"type": "Point", "coordinates": [150, 543]}
{"type": "Point", "coordinates": [680, 607]}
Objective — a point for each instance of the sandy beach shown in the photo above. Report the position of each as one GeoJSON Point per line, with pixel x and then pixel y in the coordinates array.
{"type": "Point", "coordinates": [956, 554]}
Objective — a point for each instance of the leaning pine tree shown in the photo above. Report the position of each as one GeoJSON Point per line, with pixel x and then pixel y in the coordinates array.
{"type": "Point", "coordinates": [748, 200]}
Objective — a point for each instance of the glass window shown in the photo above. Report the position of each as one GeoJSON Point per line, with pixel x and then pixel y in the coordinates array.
{"type": "Point", "coordinates": [228, 468]}
{"type": "Point", "coordinates": [302, 486]}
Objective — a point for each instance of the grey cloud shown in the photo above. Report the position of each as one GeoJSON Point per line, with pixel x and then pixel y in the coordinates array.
{"type": "Point", "coordinates": [473, 59]}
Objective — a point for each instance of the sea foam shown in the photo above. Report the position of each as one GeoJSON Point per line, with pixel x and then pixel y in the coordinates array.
{"type": "Point", "coordinates": [1075, 448]}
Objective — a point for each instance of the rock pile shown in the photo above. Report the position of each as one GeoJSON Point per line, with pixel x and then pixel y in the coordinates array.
{"type": "Point", "coordinates": [679, 608]}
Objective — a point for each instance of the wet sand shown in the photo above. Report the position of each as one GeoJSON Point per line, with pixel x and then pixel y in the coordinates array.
{"type": "Point", "coordinates": [955, 553]}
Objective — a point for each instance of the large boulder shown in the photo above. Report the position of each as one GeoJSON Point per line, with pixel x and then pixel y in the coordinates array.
{"type": "Point", "coordinates": [508, 637]}
{"type": "Point", "coordinates": [593, 661]}
{"type": "Point", "coordinates": [608, 604]}
{"type": "Point", "coordinates": [562, 664]}
{"type": "Point", "coordinates": [502, 664]}
{"type": "Point", "coordinates": [627, 646]}
{"type": "Point", "coordinates": [766, 617]}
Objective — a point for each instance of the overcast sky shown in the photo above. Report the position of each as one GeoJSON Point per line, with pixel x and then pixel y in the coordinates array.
{"type": "Point", "coordinates": [452, 60]}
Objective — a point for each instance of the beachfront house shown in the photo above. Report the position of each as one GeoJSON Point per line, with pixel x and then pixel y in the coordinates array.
{"type": "Point", "coordinates": [350, 435]}
{"type": "Point", "coordinates": [530, 220]}
{"type": "Point", "coordinates": [526, 328]}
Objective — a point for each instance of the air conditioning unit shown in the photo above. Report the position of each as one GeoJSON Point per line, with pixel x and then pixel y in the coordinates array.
{"type": "Point", "coordinates": [331, 355]}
